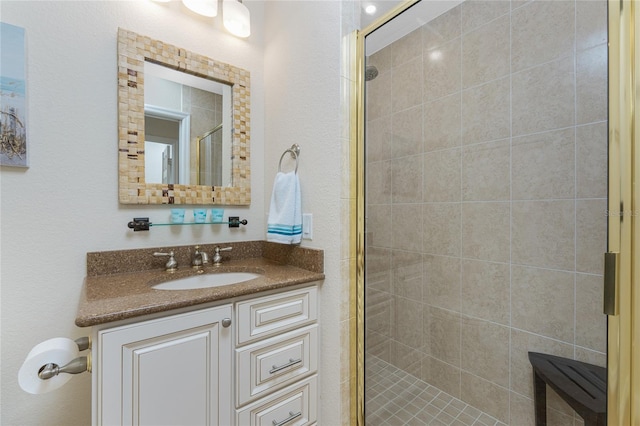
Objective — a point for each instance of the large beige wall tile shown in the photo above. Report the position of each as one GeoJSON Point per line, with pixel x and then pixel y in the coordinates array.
{"type": "Point", "coordinates": [442, 29]}
{"type": "Point", "coordinates": [476, 390]}
{"type": "Point", "coordinates": [542, 31]}
{"type": "Point", "coordinates": [378, 145]}
{"type": "Point", "coordinates": [380, 281]}
{"type": "Point", "coordinates": [542, 302]}
{"type": "Point", "coordinates": [378, 262]}
{"type": "Point", "coordinates": [442, 123]}
{"type": "Point", "coordinates": [591, 24]}
{"type": "Point", "coordinates": [407, 132]}
{"type": "Point", "coordinates": [406, 176]}
{"type": "Point", "coordinates": [406, 358]}
{"type": "Point", "coordinates": [406, 90]}
{"type": "Point", "coordinates": [486, 171]}
{"type": "Point", "coordinates": [426, 329]}
{"type": "Point", "coordinates": [378, 185]}
{"type": "Point", "coordinates": [591, 357]}
{"type": "Point", "coordinates": [442, 175]}
{"type": "Point", "coordinates": [591, 160]}
{"type": "Point", "coordinates": [543, 97]}
{"type": "Point", "coordinates": [591, 235]}
{"type": "Point", "coordinates": [407, 232]}
{"type": "Point", "coordinates": [521, 344]}
{"type": "Point", "coordinates": [407, 48]}
{"type": "Point", "coordinates": [442, 71]}
{"type": "Point", "coordinates": [442, 282]}
{"type": "Point", "coordinates": [542, 234]}
{"type": "Point", "coordinates": [442, 228]}
{"type": "Point", "coordinates": [445, 377]}
{"type": "Point", "coordinates": [408, 322]}
{"type": "Point", "coordinates": [543, 165]}
{"type": "Point", "coordinates": [485, 112]}
{"type": "Point", "coordinates": [378, 224]}
{"type": "Point", "coordinates": [591, 323]}
{"type": "Point", "coordinates": [407, 274]}
{"type": "Point", "coordinates": [378, 345]}
{"type": "Point", "coordinates": [485, 231]}
{"type": "Point", "coordinates": [479, 12]}
{"type": "Point", "coordinates": [445, 336]}
{"type": "Point", "coordinates": [381, 60]}
{"type": "Point", "coordinates": [521, 410]}
{"type": "Point", "coordinates": [591, 84]}
{"type": "Point", "coordinates": [379, 312]}
{"type": "Point", "coordinates": [485, 350]}
{"type": "Point", "coordinates": [486, 290]}
{"type": "Point", "coordinates": [379, 88]}
{"type": "Point", "coordinates": [485, 53]}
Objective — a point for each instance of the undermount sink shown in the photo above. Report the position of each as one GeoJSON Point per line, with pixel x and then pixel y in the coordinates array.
{"type": "Point", "coordinates": [206, 281]}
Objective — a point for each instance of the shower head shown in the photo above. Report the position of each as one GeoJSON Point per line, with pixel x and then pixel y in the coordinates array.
{"type": "Point", "coordinates": [370, 72]}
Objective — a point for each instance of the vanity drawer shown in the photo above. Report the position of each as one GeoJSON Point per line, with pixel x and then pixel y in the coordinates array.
{"type": "Point", "coordinates": [274, 314]}
{"type": "Point", "coordinates": [292, 406]}
{"type": "Point", "coordinates": [275, 362]}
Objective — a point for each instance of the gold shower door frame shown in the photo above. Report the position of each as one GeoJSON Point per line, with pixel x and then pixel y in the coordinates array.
{"type": "Point", "coordinates": [623, 348]}
{"type": "Point", "coordinates": [622, 298]}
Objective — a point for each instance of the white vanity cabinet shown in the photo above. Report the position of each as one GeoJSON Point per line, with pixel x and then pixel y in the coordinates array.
{"type": "Point", "coordinates": [252, 361]}
{"type": "Point", "coordinates": [173, 370]}
{"type": "Point", "coordinates": [276, 359]}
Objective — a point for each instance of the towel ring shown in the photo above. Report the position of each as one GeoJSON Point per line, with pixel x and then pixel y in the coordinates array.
{"type": "Point", "coordinates": [295, 152]}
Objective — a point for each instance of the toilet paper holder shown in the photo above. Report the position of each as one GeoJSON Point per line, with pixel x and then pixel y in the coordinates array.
{"type": "Point", "coordinates": [75, 366]}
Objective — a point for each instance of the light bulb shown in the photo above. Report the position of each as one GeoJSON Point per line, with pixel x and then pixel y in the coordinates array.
{"type": "Point", "coordinates": [237, 19]}
{"type": "Point", "coordinates": [203, 7]}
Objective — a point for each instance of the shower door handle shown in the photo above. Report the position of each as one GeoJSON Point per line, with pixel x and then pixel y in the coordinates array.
{"type": "Point", "coordinates": [611, 260]}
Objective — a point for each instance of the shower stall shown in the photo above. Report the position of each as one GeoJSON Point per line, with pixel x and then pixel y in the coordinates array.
{"type": "Point", "coordinates": [209, 157]}
{"type": "Point", "coordinates": [485, 173]}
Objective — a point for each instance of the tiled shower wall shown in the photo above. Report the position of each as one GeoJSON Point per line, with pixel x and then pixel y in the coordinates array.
{"type": "Point", "coordinates": [486, 198]}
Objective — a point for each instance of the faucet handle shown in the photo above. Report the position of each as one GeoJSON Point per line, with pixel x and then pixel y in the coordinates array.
{"type": "Point", "coordinates": [217, 257]}
{"type": "Point", "coordinates": [172, 264]}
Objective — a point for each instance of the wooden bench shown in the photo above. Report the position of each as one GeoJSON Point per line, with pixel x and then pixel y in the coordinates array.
{"type": "Point", "coordinates": [583, 386]}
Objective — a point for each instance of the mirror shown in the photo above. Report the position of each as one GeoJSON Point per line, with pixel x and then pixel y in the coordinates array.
{"type": "Point", "coordinates": [187, 128]}
{"type": "Point", "coordinates": [183, 126]}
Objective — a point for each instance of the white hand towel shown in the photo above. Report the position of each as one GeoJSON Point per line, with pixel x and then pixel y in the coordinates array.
{"type": "Point", "coordinates": [284, 225]}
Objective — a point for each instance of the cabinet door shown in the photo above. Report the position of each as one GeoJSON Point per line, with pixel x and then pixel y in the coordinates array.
{"type": "Point", "coordinates": [168, 371]}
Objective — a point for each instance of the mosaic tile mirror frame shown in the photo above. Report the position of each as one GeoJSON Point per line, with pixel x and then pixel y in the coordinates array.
{"type": "Point", "coordinates": [133, 51]}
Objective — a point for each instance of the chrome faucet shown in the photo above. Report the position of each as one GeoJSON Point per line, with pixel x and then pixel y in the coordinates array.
{"type": "Point", "coordinates": [172, 264]}
{"type": "Point", "coordinates": [217, 257]}
{"type": "Point", "coordinates": [199, 258]}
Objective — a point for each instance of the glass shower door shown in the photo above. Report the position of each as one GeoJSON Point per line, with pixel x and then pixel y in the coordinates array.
{"type": "Point", "coordinates": [485, 195]}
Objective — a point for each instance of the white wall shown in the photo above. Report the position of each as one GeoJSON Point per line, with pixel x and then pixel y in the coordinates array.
{"type": "Point", "coordinates": [303, 94]}
{"type": "Point", "coordinates": [66, 203]}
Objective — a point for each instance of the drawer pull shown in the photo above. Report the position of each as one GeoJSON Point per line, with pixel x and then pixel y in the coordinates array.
{"type": "Point", "coordinates": [292, 416]}
{"type": "Point", "coordinates": [291, 362]}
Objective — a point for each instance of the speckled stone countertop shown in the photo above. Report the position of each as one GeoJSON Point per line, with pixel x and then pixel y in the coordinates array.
{"type": "Point", "coordinates": [119, 283]}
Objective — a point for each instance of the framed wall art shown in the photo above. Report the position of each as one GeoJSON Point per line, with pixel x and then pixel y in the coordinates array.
{"type": "Point", "coordinates": [13, 99]}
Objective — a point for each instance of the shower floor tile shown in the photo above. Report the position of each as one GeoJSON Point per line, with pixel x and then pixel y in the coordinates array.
{"type": "Point", "coordinates": [394, 398]}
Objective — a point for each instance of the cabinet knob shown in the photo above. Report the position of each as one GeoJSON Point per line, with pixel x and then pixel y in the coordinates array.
{"type": "Point", "coordinates": [226, 322]}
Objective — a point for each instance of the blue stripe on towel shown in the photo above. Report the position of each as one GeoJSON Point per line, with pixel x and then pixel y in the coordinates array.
{"type": "Point", "coordinates": [284, 230]}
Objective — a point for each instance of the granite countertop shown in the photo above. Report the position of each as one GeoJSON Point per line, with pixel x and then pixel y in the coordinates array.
{"type": "Point", "coordinates": [108, 297]}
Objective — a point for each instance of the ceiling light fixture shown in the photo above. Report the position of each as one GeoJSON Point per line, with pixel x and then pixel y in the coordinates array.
{"type": "Point", "coordinates": [236, 17]}
{"type": "Point", "coordinates": [207, 8]}
{"type": "Point", "coordinates": [370, 9]}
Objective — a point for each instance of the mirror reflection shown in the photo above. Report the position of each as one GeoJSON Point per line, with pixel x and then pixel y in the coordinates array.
{"type": "Point", "coordinates": [187, 128]}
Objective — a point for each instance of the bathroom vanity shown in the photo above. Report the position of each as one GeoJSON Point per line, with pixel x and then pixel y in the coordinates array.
{"type": "Point", "coordinates": [238, 354]}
